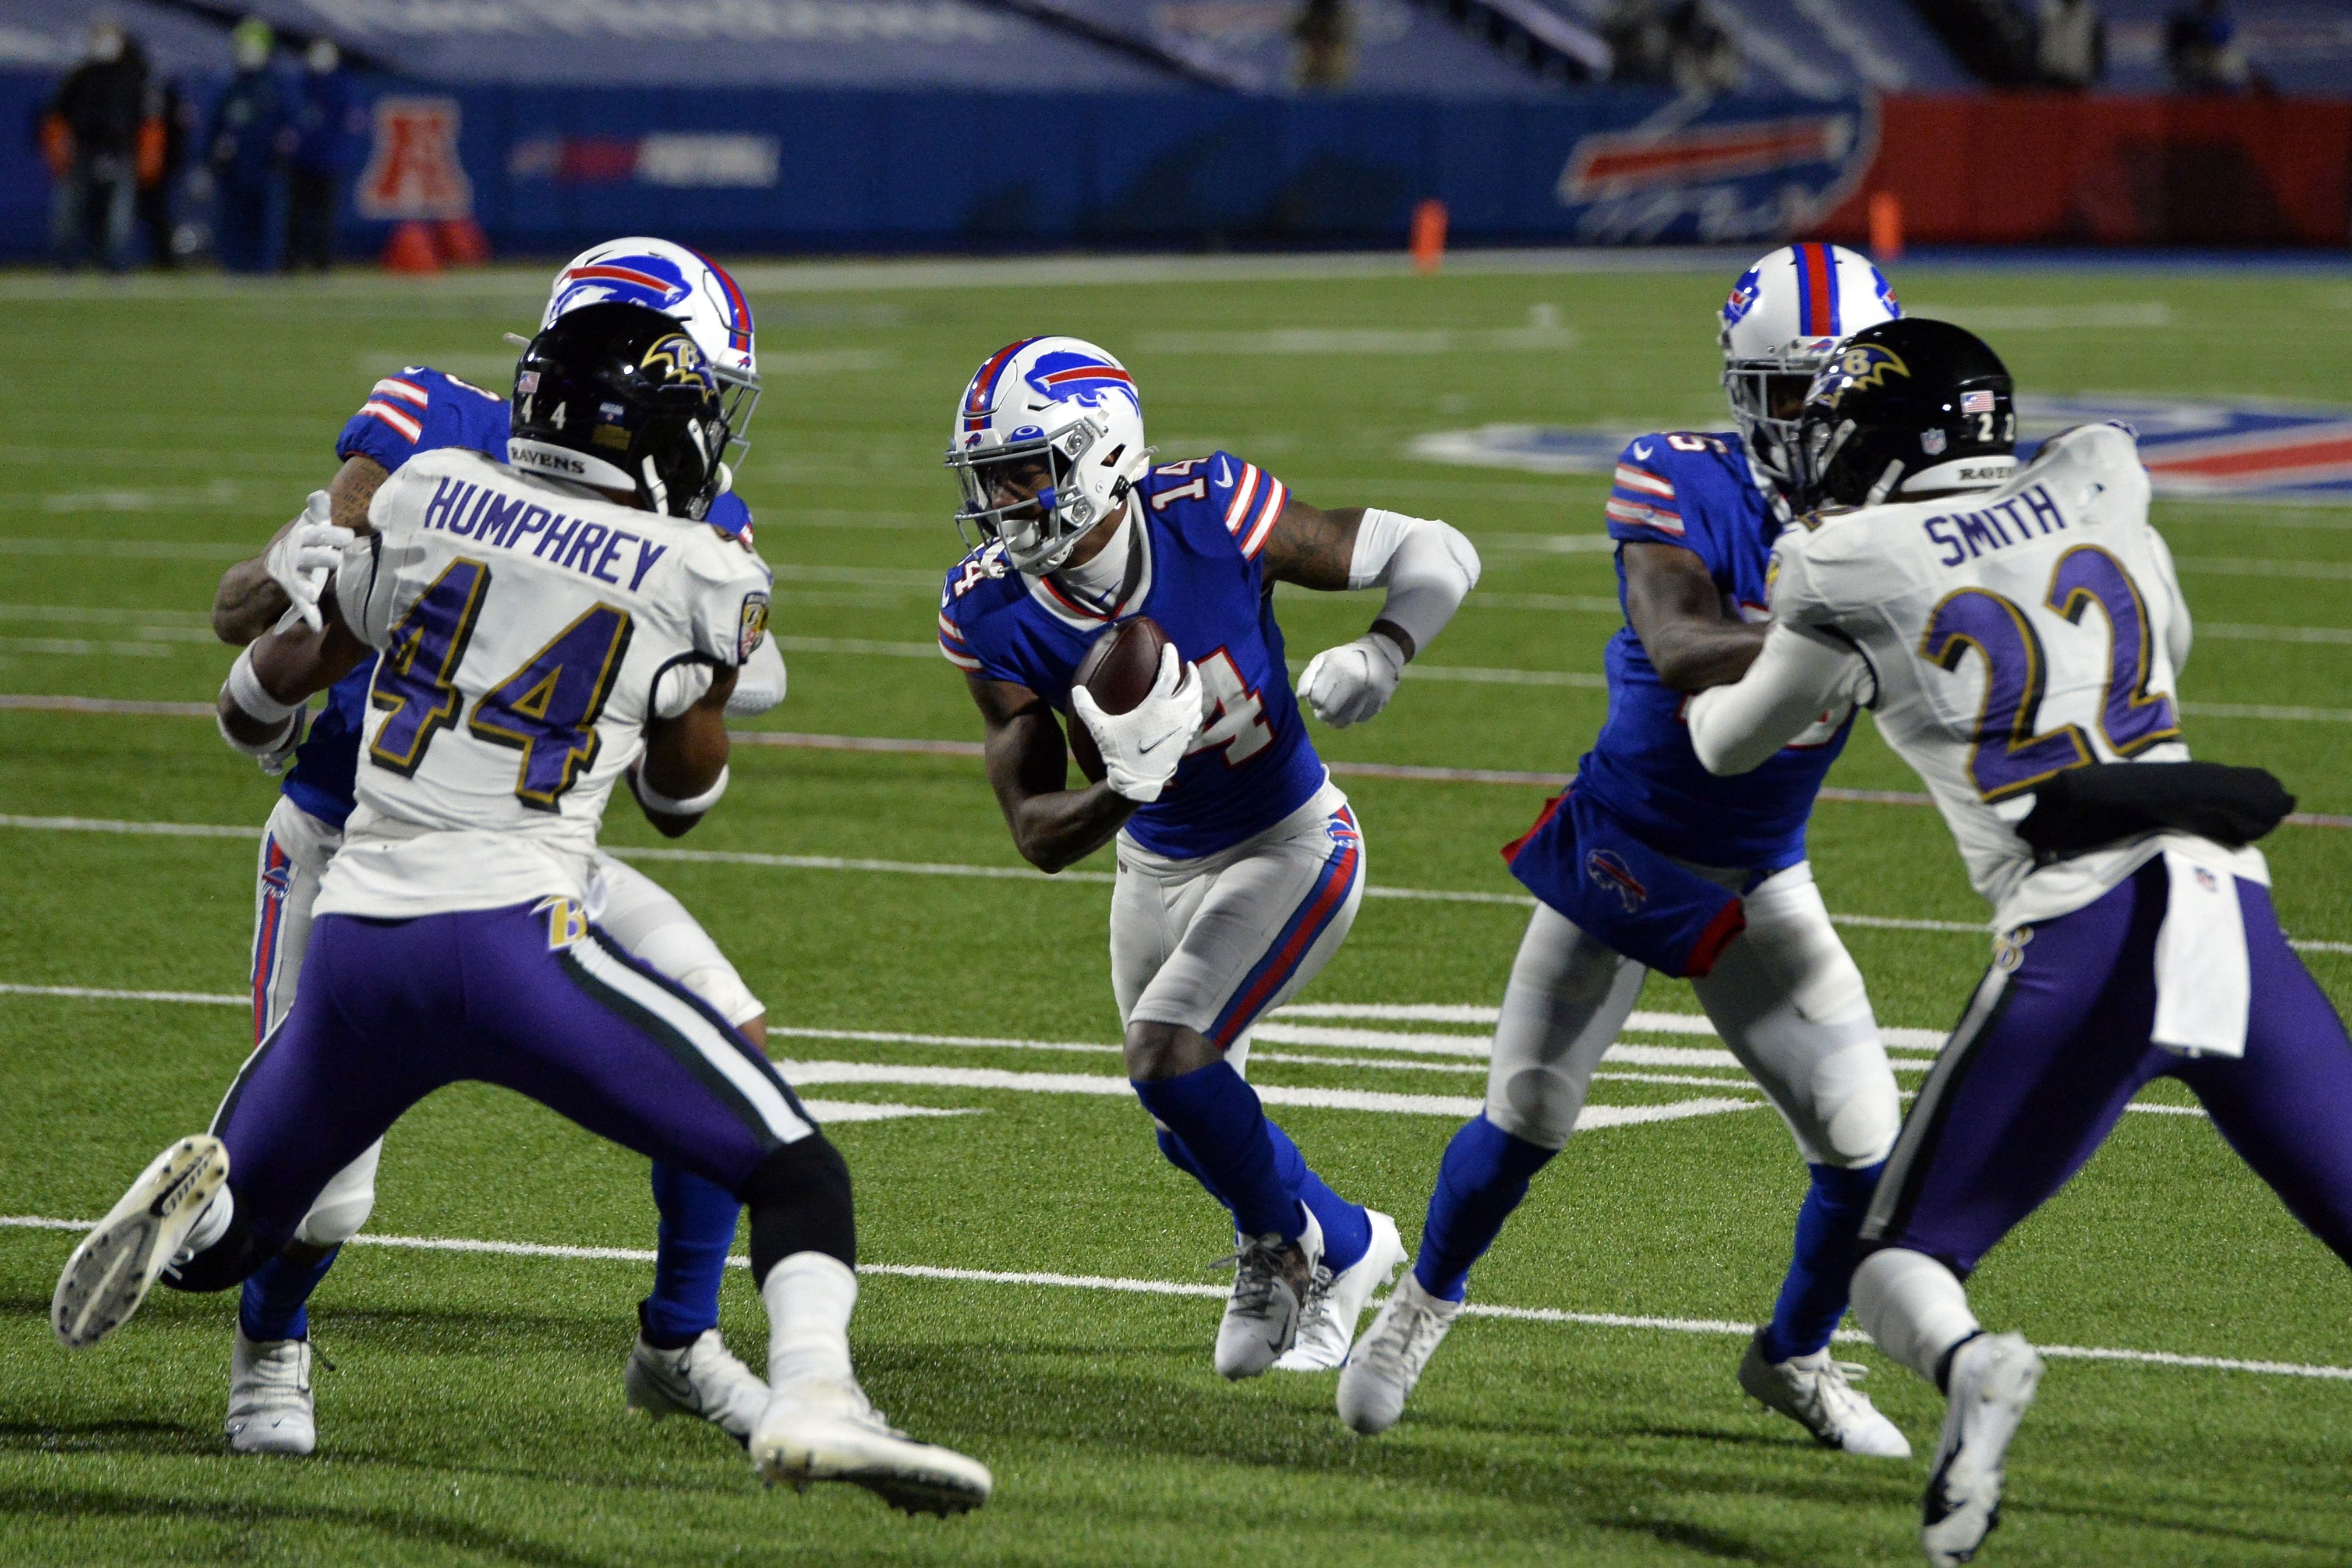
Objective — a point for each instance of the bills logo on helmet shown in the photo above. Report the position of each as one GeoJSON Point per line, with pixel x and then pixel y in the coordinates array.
{"type": "Point", "coordinates": [1862, 365]}
{"type": "Point", "coordinates": [1055, 377]}
{"type": "Point", "coordinates": [1742, 300]}
{"type": "Point", "coordinates": [630, 277]}
{"type": "Point", "coordinates": [1609, 872]}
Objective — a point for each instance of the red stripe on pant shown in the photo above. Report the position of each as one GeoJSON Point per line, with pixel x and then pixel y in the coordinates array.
{"type": "Point", "coordinates": [265, 941]}
{"type": "Point", "coordinates": [1341, 876]}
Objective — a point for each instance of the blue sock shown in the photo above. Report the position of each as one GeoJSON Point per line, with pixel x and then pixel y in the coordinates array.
{"type": "Point", "coordinates": [1813, 1296]}
{"type": "Point", "coordinates": [272, 1305]}
{"type": "Point", "coordinates": [1347, 1228]}
{"type": "Point", "coordinates": [1217, 1118]}
{"type": "Point", "coordinates": [697, 1226]}
{"type": "Point", "coordinates": [1181, 1158]}
{"type": "Point", "coordinates": [1483, 1177]}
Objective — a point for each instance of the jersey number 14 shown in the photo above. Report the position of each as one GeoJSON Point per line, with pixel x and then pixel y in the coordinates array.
{"type": "Point", "coordinates": [547, 709]}
{"type": "Point", "coordinates": [2009, 756]}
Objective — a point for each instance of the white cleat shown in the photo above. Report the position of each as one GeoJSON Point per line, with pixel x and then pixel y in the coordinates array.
{"type": "Point", "coordinates": [269, 1406]}
{"type": "Point", "coordinates": [1820, 1395]}
{"type": "Point", "coordinates": [1390, 1357]}
{"type": "Point", "coordinates": [1326, 1325]}
{"type": "Point", "coordinates": [703, 1379]}
{"type": "Point", "coordinates": [117, 1263]}
{"type": "Point", "coordinates": [825, 1430]}
{"type": "Point", "coordinates": [1273, 1279]}
{"type": "Point", "coordinates": [1992, 1382]}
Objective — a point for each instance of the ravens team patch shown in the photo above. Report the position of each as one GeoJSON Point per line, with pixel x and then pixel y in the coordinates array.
{"type": "Point", "coordinates": [754, 627]}
{"type": "Point", "coordinates": [567, 921]}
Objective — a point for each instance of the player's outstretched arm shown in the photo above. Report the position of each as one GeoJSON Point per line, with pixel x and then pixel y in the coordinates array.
{"type": "Point", "coordinates": [1028, 766]}
{"type": "Point", "coordinates": [684, 769]}
{"type": "Point", "coordinates": [260, 704]}
{"type": "Point", "coordinates": [1800, 675]}
{"type": "Point", "coordinates": [1678, 612]}
{"type": "Point", "coordinates": [252, 596]}
{"type": "Point", "coordinates": [1428, 567]}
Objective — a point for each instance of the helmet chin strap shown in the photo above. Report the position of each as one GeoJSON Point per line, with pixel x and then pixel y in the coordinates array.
{"type": "Point", "coordinates": [1886, 483]}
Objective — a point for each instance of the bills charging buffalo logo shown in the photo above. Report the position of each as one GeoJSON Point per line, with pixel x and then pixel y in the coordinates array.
{"type": "Point", "coordinates": [1610, 872]}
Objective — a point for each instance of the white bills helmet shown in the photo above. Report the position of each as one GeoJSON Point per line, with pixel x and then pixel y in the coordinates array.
{"type": "Point", "coordinates": [689, 288]}
{"type": "Point", "coordinates": [1068, 409]}
{"type": "Point", "coordinates": [1786, 315]}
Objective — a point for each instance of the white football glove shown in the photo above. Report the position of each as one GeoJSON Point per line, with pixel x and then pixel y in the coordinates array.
{"type": "Point", "coordinates": [301, 562]}
{"type": "Point", "coordinates": [1141, 749]}
{"type": "Point", "coordinates": [1350, 683]}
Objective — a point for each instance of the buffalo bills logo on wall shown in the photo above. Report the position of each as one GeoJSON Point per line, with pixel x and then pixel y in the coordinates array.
{"type": "Point", "coordinates": [1724, 172]}
{"type": "Point", "coordinates": [1610, 872]}
{"type": "Point", "coordinates": [2194, 451]}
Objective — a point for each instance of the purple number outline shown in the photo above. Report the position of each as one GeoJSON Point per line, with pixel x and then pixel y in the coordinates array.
{"type": "Point", "coordinates": [544, 673]}
{"type": "Point", "coordinates": [437, 627]}
{"type": "Point", "coordinates": [2015, 674]}
{"type": "Point", "coordinates": [2131, 719]}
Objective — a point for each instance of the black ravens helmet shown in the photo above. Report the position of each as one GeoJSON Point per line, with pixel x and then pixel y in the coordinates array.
{"type": "Point", "coordinates": [618, 397]}
{"type": "Point", "coordinates": [1902, 408]}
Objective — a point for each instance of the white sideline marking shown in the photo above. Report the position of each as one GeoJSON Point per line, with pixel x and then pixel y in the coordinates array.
{"type": "Point", "coordinates": [2235, 565]}
{"type": "Point", "coordinates": [2050, 318]}
{"type": "Point", "coordinates": [1723, 1326]}
{"type": "Point", "coordinates": [1450, 1013]}
{"type": "Point", "coordinates": [94, 993]}
{"type": "Point", "coordinates": [991, 872]}
{"type": "Point", "coordinates": [833, 1113]}
{"type": "Point", "coordinates": [1536, 337]}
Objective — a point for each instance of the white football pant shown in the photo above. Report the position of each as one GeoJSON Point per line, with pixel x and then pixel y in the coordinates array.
{"type": "Point", "coordinates": [1784, 995]}
{"type": "Point", "coordinates": [632, 908]}
{"type": "Point", "coordinates": [1211, 944]}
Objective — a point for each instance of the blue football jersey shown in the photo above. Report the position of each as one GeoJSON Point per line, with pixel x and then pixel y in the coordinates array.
{"type": "Point", "coordinates": [1696, 491]}
{"type": "Point", "coordinates": [419, 410]}
{"type": "Point", "coordinates": [1204, 524]}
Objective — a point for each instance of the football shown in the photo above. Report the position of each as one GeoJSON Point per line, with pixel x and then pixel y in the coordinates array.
{"type": "Point", "coordinates": [1119, 670]}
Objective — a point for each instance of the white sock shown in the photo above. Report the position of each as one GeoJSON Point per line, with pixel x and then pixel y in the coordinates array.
{"type": "Point", "coordinates": [1912, 1306]}
{"type": "Point", "coordinates": [210, 1225]}
{"type": "Point", "coordinates": [809, 1296]}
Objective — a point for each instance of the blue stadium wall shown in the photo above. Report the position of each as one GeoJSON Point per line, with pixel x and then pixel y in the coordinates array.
{"type": "Point", "coordinates": [948, 171]}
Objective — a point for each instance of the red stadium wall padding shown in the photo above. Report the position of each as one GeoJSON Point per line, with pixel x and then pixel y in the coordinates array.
{"type": "Point", "coordinates": [2062, 169]}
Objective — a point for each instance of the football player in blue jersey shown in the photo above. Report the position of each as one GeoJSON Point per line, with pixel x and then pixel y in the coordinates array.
{"type": "Point", "coordinates": [1649, 862]}
{"type": "Point", "coordinates": [678, 1363]}
{"type": "Point", "coordinates": [1240, 866]}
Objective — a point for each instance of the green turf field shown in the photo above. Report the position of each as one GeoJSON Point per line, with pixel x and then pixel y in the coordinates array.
{"type": "Point", "coordinates": [473, 1413]}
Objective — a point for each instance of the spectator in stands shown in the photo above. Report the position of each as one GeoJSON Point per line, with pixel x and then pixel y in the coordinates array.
{"type": "Point", "coordinates": [2200, 45]}
{"type": "Point", "coordinates": [1639, 46]}
{"type": "Point", "coordinates": [328, 122]}
{"type": "Point", "coordinates": [1676, 44]}
{"type": "Point", "coordinates": [2071, 48]}
{"type": "Point", "coordinates": [163, 138]}
{"type": "Point", "coordinates": [1327, 44]}
{"type": "Point", "coordinates": [91, 136]}
{"type": "Point", "coordinates": [248, 146]}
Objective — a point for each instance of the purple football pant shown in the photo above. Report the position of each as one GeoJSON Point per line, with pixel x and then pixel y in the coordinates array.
{"type": "Point", "coordinates": [2048, 1055]}
{"type": "Point", "coordinates": [533, 999]}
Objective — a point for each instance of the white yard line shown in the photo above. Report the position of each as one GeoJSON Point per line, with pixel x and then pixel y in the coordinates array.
{"type": "Point", "coordinates": [961, 869]}
{"type": "Point", "coordinates": [1113, 1284]}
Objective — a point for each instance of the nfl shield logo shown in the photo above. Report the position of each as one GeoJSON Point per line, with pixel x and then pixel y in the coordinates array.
{"type": "Point", "coordinates": [1931, 441]}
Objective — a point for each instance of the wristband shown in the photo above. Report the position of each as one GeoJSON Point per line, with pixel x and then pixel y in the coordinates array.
{"type": "Point", "coordinates": [280, 742]}
{"type": "Point", "coordinates": [653, 799]}
{"type": "Point", "coordinates": [246, 690]}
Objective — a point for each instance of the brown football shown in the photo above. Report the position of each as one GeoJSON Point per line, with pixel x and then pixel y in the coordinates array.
{"type": "Point", "coordinates": [1119, 670]}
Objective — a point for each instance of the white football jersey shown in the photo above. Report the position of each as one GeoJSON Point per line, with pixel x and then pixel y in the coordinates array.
{"type": "Point", "coordinates": [524, 624]}
{"type": "Point", "coordinates": [2013, 632]}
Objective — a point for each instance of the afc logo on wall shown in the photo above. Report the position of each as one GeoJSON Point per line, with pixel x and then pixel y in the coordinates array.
{"type": "Point", "coordinates": [413, 169]}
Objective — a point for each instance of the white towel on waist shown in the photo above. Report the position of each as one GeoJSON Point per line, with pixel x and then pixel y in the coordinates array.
{"type": "Point", "coordinates": [2202, 989]}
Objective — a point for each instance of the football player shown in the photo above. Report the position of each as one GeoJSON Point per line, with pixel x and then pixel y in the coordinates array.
{"type": "Point", "coordinates": [678, 1363]}
{"type": "Point", "coordinates": [1240, 865]}
{"type": "Point", "coordinates": [547, 628]}
{"type": "Point", "coordinates": [1649, 862]}
{"type": "Point", "coordinates": [2019, 633]}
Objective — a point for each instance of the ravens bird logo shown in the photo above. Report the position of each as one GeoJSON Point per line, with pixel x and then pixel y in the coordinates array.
{"type": "Point", "coordinates": [677, 361]}
{"type": "Point", "coordinates": [1860, 365]}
